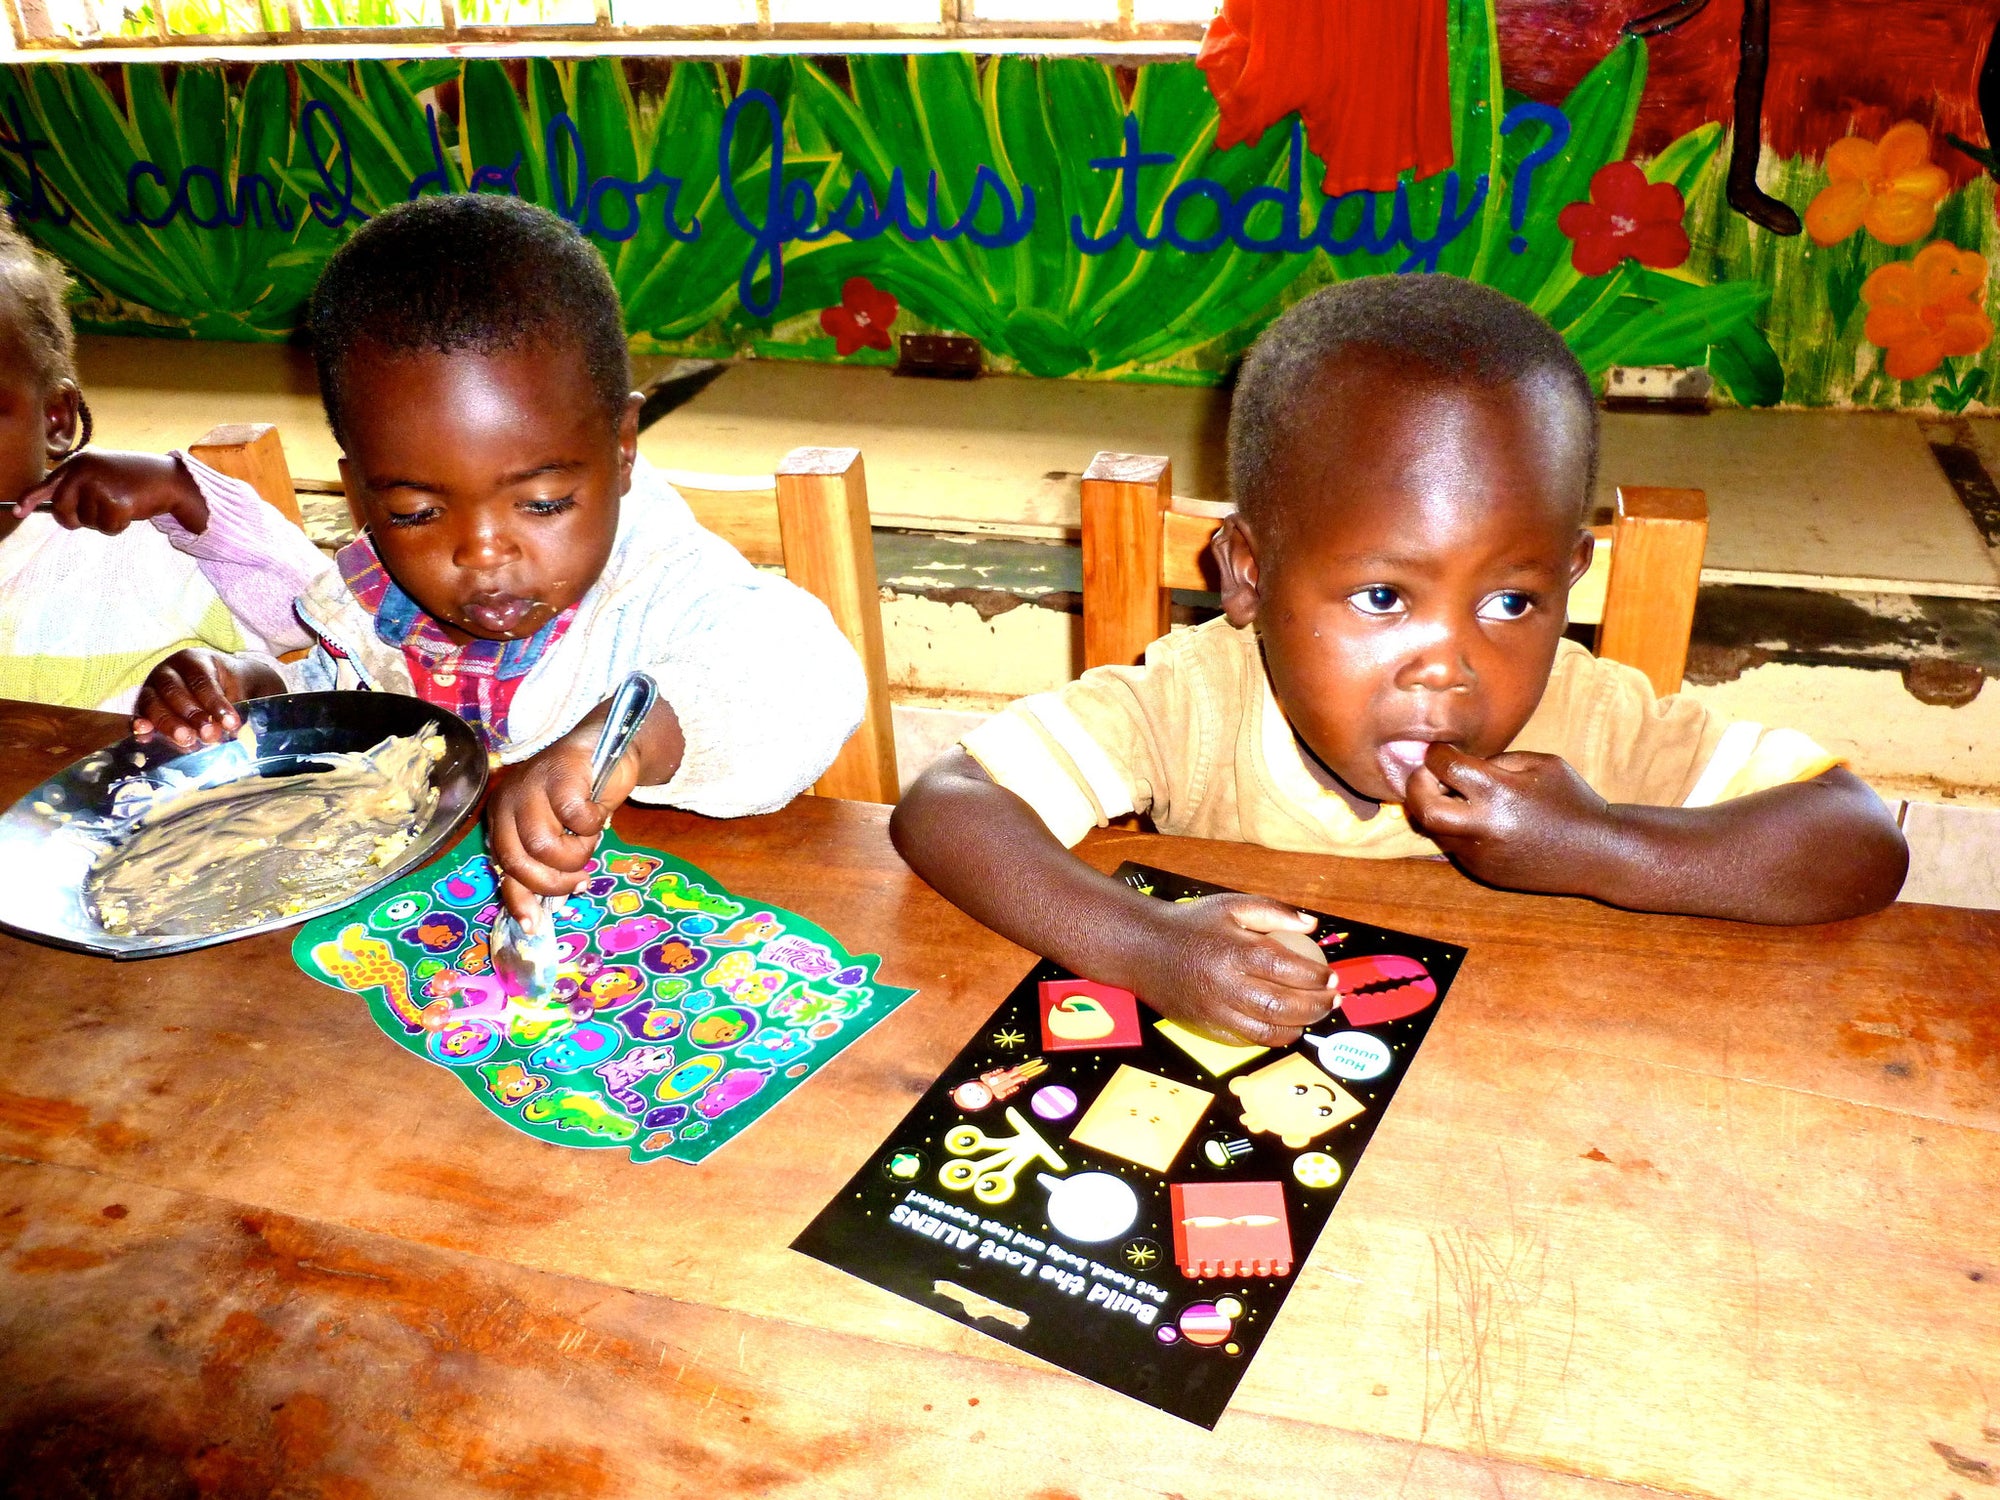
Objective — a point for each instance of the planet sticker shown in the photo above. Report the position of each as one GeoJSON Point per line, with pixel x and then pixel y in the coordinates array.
{"type": "Point", "coordinates": [1205, 1323]}
{"type": "Point", "coordinates": [972, 1096]}
{"type": "Point", "coordinates": [1352, 1055]}
{"type": "Point", "coordinates": [1054, 1102]}
{"type": "Point", "coordinates": [1091, 1206]}
{"type": "Point", "coordinates": [904, 1166]}
{"type": "Point", "coordinates": [1316, 1169]}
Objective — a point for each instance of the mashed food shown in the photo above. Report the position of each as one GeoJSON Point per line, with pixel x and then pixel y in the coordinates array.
{"type": "Point", "coordinates": [248, 852]}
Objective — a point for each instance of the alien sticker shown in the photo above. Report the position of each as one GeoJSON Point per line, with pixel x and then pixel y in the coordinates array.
{"type": "Point", "coordinates": [1294, 1100]}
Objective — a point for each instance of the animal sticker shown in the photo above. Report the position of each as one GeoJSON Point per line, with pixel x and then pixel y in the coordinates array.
{"type": "Point", "coordinates": [470, 884]}
{"type": "Point", "coordinates": [676, 892]}
{"type": "Point", "coordinates": [578, 1109]}
{"type": "Point", "coordinates": [355, 961]}
{"type": "Point", "coordinates": [730, 1090]}
{"type": "Point", "coordinates": [510, 1083]}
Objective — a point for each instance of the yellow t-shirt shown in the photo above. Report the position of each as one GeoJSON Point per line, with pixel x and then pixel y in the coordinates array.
{"type": "Point", "coordinates": [1195, 739]}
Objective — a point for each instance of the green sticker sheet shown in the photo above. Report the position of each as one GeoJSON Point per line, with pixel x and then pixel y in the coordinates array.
{"type": "Point", "coordinates": [682, 1013]}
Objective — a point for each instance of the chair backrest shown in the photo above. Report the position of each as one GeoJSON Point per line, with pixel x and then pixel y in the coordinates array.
{"type": "Point", "coordinates": [1140, 543]}
{"type": "Point", "coordinates": [253, 453]}
{"type": "Point", "coordinates": [811, 518]}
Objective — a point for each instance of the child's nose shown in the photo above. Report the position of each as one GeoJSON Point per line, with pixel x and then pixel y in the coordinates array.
{"type": "Point", "coordinates": [1437, 663]}
{"type": "Point", "coordinates": [482, 547]}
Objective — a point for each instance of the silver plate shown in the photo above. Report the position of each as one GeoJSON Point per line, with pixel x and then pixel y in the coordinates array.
{"type": "Point", "coordinates": [50, 838]}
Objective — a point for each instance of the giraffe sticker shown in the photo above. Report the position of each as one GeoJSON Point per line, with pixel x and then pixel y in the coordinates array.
{"type": "Point", "coordinates": [355, 961]}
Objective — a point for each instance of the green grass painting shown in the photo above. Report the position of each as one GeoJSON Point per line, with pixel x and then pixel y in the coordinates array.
{"type": "Point", "coordinates": [197, 203]}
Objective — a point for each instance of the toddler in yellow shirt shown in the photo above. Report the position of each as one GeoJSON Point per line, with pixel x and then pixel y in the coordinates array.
{"type": "Point", "coordinates": [1411, 459]}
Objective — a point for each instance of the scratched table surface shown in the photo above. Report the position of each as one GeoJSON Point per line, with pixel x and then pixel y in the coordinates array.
{"type": "Point", "coordinates": [1682, 1204]}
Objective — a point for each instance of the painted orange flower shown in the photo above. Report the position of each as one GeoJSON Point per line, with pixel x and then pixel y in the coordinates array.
{"type": "Point", "coordinates": [1891, 186]}
{"type": "Point", "coordinates": [1927, 310]}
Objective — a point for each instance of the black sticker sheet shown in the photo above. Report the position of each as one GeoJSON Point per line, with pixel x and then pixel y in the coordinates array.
{"type": "Point", "coordinates": [1124, 1197]}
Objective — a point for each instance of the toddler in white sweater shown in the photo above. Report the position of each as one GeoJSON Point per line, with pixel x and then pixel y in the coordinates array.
{"type": "Point", "coordinates": [518, 559]}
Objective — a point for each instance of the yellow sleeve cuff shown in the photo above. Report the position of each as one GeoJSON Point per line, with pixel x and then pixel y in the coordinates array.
{"type": "Point", "coordinates": [1750, 758]}
{"type": "Point", "coordinates": [1012, 749]}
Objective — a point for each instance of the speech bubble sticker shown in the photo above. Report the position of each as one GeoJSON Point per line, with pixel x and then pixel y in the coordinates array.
{"type": "Point", "coordinates": [1090, 1207]}
{"type": "Point", "coordinates": [1352, 1055]}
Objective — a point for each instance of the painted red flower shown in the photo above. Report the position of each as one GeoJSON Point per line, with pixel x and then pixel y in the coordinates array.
{"type": "Point", "coordinates": [1626, 216]}
{"type": "Point", "coordinates": [862, 320]}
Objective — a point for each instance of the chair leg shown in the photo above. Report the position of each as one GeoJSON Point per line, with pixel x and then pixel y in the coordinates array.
{"type": "Point", "coordinates": [1657, 542]}
{"type": "Point", "coordinates": [1125, 498]}
{"type": "Point", "coordinates": [829, 545]}
{"type": "Point", "coordinates": [253, 453]}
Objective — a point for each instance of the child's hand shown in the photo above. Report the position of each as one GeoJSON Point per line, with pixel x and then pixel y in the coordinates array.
{"type": "Point", "coordinates": [542, 826]}
{"type": "Point", "coordinates": [1523, 821]}
{"type": "Point", "coordinates": [108, 492]}
{"type": "Point", "coordinates": [1212, 964]}
{"type": "Point", "coordinates": [189, 697]}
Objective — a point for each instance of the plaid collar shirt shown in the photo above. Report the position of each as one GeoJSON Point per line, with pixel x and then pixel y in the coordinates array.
{"type": "Point", "coordinates": [476, 681]}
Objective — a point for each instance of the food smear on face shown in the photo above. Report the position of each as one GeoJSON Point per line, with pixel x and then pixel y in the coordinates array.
{"type": "Point", "coordinates": [250, 851]}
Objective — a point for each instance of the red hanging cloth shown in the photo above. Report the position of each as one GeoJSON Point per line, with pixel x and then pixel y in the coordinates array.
{"type": "Point", "coordinates": [1370, 78]}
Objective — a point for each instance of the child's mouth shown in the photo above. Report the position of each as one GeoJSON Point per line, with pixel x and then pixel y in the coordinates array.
{"type": "Point", "coordinates": [1399, 760]}
{"type": "Point", "coordinates": [499, 614]}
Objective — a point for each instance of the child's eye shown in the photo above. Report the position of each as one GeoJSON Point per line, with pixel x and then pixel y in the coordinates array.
{"type": "Point", "coordinates": [1377, 600]}
{"type": "Point", "coordinates": [1508, 604]}
{"type": "Point", "coordinates": [550, 507]}
{"type": "Point", "coordinates": [414, 517]}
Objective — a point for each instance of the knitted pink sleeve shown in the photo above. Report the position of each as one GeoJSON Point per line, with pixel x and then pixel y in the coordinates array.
{"type": "Point", "coordinates": [253, 557]}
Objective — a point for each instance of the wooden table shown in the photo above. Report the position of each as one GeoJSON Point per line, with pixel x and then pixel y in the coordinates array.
{"type": "Point", "coordinates": [1663, 1202]}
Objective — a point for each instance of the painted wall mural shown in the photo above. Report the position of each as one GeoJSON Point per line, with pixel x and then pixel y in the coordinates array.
{"type": "Point", "coordinates": [1080, 219]}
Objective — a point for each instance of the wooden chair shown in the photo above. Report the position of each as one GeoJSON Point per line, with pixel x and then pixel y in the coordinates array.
{"type": "Point", "coordinates": [1140, 543]}
{"type": "Point", "coordinates": [253, 453]}
{"type": "Point", "coordinates": [811, 518]}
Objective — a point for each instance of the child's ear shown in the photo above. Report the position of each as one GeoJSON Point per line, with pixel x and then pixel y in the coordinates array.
{"type": "Point", "coordinates": [628, 440]}
{"type": "Point", "coordinates": [62, 419]}
{"type": "Point", "coordinates": [1579, 562]}
{"type": "Point", "coordinates": [1235, 554]}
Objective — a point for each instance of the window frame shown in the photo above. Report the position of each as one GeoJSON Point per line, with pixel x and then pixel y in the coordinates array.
{"type": "Point", "coordinates": [952, 26]}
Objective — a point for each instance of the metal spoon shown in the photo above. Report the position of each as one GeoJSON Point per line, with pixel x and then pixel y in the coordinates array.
{"type": "Point", "coordinates": [526, 957]}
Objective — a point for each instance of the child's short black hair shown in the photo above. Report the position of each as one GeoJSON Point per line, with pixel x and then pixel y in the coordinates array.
{"type": "Point", "coordinates": [476, 273]}
{"type": "Point", "coordinates": [1445, 326]}
{"type": "Point", "coordinates": [33, 291]}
